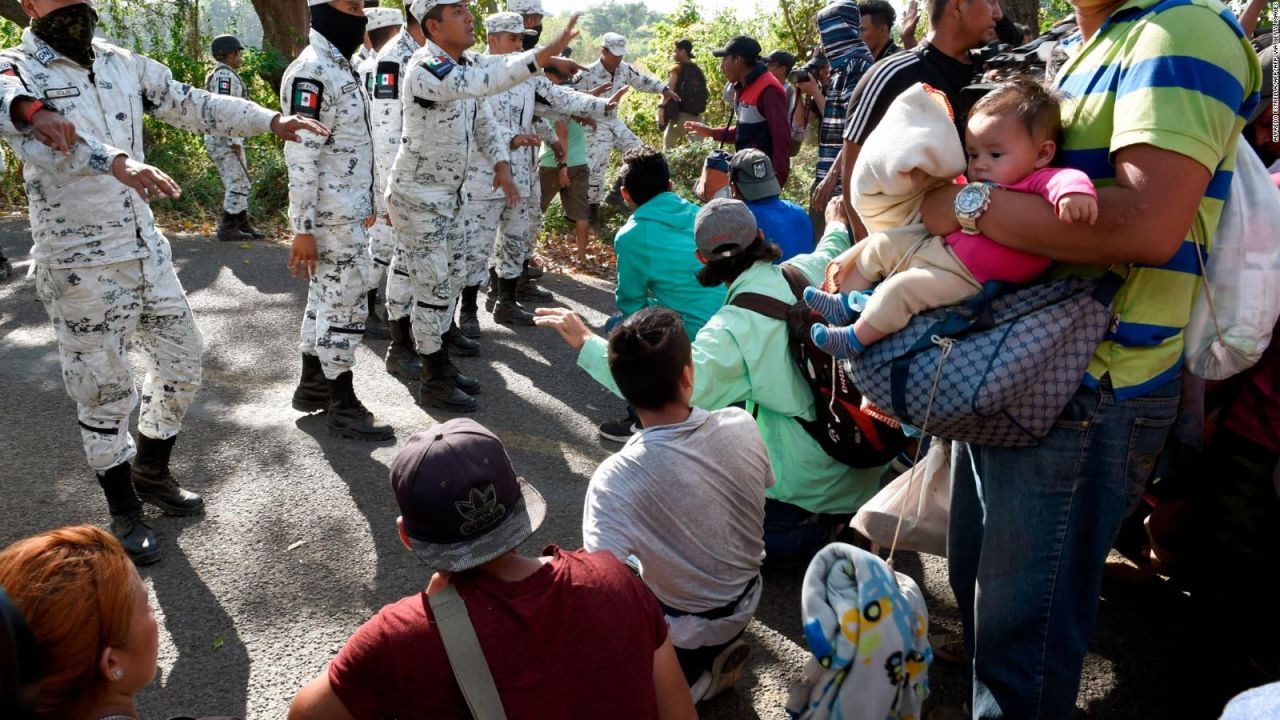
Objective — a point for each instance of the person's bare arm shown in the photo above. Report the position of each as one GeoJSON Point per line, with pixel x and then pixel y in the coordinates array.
{"type": "Point", "coordinates": [674, 701]}
{"type": "Point", "coordinates": [848, 157]}
{"type": "Point", "coordinates": [317, 701]}
{"type": "Point", "coordinates": [1143, 218]}
{"type": "Point", "coordinates": [1249, 17]}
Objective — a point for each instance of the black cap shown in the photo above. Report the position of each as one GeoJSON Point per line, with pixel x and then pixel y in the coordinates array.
{"type": "Point", "coordinates": [225, 45]}
{"type": "Point", "coordinates": [781, 57]}
{"type": "Point", "coordinates": [460, 500]}
{"type": "Point", "coordinates": [686, 45]}
{"type": "Point", "coordinates": [741, 46]}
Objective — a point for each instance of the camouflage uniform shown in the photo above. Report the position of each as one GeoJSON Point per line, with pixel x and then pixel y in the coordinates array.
{"type": "Point", "coordinates": [613, 133]}
{"type": "Point", "coordinates": [388, 120]}
{"type": "Point", "coordinates": [236, 182]}
{"type": "Point", "coordinates": [330, 196]}
{"type": "Point", "coordinates": [515, 227]}
{"type": "Point", "coordinates": [102, 269]}
{"type": "Point", "coordinates": [445, 122]}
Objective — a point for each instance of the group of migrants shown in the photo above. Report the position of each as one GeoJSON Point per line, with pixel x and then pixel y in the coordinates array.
{"type": "Point", "coordinates": [419, 171]}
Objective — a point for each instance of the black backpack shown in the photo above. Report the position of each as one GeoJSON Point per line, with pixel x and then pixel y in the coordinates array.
{"type": "Point", "coordinates": [844, 430]}
{"type": "Point", "coordinates": [692, 89]}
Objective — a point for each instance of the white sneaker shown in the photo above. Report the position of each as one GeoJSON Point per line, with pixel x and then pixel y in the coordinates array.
{"type": "Point", "coordinates": [726, 669]}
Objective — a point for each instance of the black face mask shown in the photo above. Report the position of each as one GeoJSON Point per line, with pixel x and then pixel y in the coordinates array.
{"type": "Point", "coordinates": [69, 30]}
{"type": "Point", "coordinates": [346, 32]}
{"type": "Point", "coordinates": [531, 41]}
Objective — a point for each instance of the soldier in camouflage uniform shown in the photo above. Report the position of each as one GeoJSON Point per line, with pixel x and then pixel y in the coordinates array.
{"type": "Point", "coordinates": [383, 25]}
{"type": "Point", "coordinates": [102, 270]}
{"type": "Point", "coordinates": [228, 153]}
{"type": "Point", "coordinates": [444, 122]}
{"type": "Point", "coordinates": [388, 120]}
{"type": "Point", "coordinates": [605, 136]}
{"type": "Point", "coordinates": [330, 208]}
{"type": "Point", "coordinates": [505, 250]}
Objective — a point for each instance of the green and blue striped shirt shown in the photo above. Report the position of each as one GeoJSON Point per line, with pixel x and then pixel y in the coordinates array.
{"type": "Point", "coordinates": [1179, 75]}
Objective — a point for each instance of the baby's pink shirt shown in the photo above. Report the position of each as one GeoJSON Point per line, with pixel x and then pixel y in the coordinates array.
{"type": "Point", "coordinates": [988, 259]}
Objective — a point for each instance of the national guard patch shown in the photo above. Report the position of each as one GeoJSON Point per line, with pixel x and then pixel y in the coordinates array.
{"type": "Point", "coordinates": [224, 86]}
{"type": "Point", "coordinates": [307, 95]}
{"type": "Point", "coordinates": [386, 82]}
{"type": "Point", "coordinates": [440, 66]}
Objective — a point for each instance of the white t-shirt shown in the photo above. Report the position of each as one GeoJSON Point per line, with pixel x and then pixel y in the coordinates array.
{"type": "Point", "coordinates": [688, 501]}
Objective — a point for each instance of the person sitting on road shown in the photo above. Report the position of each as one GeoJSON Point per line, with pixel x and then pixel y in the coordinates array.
{"type": "Point", "coordinates": [88, 611]}
{"type": "Point", "coordinates": [783, 222]}
{"type": "Point", "coordinates": [700, 556]}
{"type": "Point", "coordinates": [743, 356]}
{"type": "Point", "coordinates": [657, 262]}
{"type": "Point", "coordinates": [544, 624]}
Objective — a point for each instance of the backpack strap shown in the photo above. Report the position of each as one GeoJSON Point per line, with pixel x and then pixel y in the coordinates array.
{"type": "Point", "coordinates": [796, 279]}
{"type": "Point", "coordinates": [465, 654]}
{"type": "Point", "coordinates": [770, 307]}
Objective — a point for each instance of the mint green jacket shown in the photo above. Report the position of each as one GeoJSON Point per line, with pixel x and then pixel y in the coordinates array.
{"type": "Point", "coordinates": [741, 356]}
{"type": "Point", "coordinates": [658, 263]}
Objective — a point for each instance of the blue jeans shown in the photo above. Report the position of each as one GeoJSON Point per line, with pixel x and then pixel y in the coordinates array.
{"type": "Point", "coordinates": [1030, 531]}
{"type": "Point", "coordinates": [791, 532]}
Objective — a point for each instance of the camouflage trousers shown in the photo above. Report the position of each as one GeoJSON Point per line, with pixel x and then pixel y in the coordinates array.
{"type": "Point", "coordinates": [434, 238]}
{"type": "Point", "coordinates": [607, 135]}
{"type": "Point", "coordinates": [381, 248]}
{"type": "Point", "coordinates": [399, 298]}
{"type": "Point", "coordinates": [98, 313]}
{"type": "Point", "coordinates": [515, 237]}
{"type": "Point", "coordinates": [337, 298]}
{"type": "Point", "coordinates": [235, 178]}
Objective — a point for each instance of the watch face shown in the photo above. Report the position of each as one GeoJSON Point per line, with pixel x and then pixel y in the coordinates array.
{"type": "Point", "coordinates": [969, 199]}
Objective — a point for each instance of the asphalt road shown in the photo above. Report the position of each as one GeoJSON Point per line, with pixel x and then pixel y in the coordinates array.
{"type": "Point", "coordinates": [299, 544]}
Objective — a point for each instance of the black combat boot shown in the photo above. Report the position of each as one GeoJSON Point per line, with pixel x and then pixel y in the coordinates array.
{"type": "Point", "coordinates": [374, 326]}
{"type": "Point", "coordinates": [155, 484]}
{"type": "Point", "coordinates": [468, 323]}
{"type": "Point", "coordinates": [533, 270]}
{"type": "Point", "coordinates": [527, 289]}
{"type": "Point", "coordinates": [247, 227]}
{"type": "Point", "coordinates": [438, 389]}
{"type": "Point", "coordinates": [495, 290]}
{"type": "Point", "coordinates": [508, 311]}
{"type": "Point", "coordinates": [459, 344]}
{"type": "Point", "coordinates": [468, 385]}
{"type": "Point", "coordinates": [126, 515]}
{"type": "Point", "coordinates": [402, 358]}
{"type": "Point", "coordinates": [229, 229]}
{"type": "Point", "coordinates": [348, 417]}
{"type": "Point", "coordinates": [312, 393]}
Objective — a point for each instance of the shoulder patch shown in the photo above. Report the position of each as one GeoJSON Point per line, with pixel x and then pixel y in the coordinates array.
{"type": "Point", "coordinates": [440, 66]}
{"type": "Point", "coordinates": [386, 81]}
{"type": "Point", "coordinates": [224, 86]}
{"type": "Point", "coordinates": [8, 69]}
{"type": "Point", "coordinates": [306, 97]}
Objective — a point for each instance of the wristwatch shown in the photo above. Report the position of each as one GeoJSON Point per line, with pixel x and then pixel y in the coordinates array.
{"type": "Point", "coordinates": [34, 107]}
{"type": "Point", "coordinates": [973, 200]}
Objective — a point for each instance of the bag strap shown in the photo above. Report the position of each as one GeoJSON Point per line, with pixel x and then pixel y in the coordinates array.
{"type": "Point", "coordinates": [769, 307]}
{"type": "Point", "coordinates": [465, 654]}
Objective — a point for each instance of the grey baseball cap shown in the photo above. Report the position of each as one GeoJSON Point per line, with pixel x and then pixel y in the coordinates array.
{"type": "Point", "coordinates": [724, 228]}
{"type": "Point", "coordinates": [460, 500]}
{"type": "Point", "coordinates": [751, 171]}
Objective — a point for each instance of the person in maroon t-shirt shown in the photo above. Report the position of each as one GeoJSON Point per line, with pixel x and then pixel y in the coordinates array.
{"type": "Point", "coordinates": [567, 635]}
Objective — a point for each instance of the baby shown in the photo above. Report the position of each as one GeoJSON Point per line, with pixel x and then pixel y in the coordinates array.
{"type": "Point", "coordinates": [1010, 141]}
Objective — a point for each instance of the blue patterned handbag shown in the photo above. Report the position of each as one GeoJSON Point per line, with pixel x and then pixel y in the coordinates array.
{"type": "Point", "coordinates": [995, 370]}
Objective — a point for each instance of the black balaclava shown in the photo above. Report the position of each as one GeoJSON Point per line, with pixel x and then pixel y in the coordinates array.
{"type": "Point", "coordinates": [346, 32]}
{"type": "Point", "coordinates": [69, 30]}
{"type": "Point", "coordinates": [531, 41]}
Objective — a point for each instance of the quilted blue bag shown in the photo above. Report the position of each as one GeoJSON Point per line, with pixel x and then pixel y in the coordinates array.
{"type": "Point", "coordinates": [995, 370]}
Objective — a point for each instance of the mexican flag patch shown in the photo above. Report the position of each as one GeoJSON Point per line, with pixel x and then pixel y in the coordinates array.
{"type": "Point", "coordinates": [386, 81]}
{"type": "Point", "coordinates": [307, 96]}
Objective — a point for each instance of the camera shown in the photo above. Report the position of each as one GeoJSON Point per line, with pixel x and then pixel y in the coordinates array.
{"type": "Point", "coordinates": [799, 75]}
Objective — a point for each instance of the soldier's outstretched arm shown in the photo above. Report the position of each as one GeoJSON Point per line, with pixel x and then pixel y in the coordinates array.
{"type": "Point", "coordinates": [564, 102]}
{"type": "Point", "coordinates": [200, 111]}
{"type": "Point", "coordinates": [495, 140]}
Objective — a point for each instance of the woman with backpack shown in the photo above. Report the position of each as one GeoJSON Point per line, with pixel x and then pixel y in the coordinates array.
{"type": "Point", "coordinates": [740, 356]}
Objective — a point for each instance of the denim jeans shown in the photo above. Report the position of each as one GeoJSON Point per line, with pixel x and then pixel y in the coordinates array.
{"type": "Point", "coordinates": [1030, 531]}
{"type": "Point", "coordinates": [792, 532]}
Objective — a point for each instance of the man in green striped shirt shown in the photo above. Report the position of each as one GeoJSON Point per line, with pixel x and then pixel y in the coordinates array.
{"type": "Point", "coordinates": [1157, 92]}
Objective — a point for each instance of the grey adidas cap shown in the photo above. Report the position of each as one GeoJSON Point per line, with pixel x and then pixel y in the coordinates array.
{"type": "Point", "coordinates": [751, 171]}
{"type": "Point", "coordinates": [724, 228]}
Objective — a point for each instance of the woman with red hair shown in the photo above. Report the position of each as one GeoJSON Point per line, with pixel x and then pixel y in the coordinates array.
{"type": "Point", "coordinates": [88, 610]}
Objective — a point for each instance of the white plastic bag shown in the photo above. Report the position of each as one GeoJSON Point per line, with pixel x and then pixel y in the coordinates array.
{"type": "Point", "coordinates": [921, 496]}
{"type": "Point", "coordinates": [1242, 288]}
